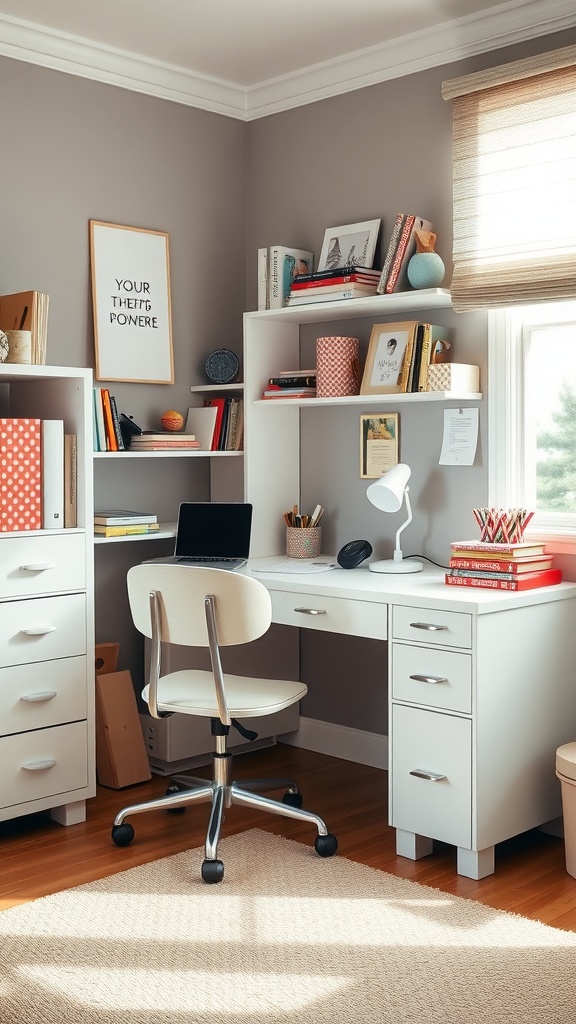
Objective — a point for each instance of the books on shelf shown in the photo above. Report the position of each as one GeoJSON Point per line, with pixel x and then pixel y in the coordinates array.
{"type": "Point", "coordinates": [278, 266]}
{"type": "Point", "coordinates": [294, 380]}
{"type": "Point", "coordinates": [20, 474]}
{"type": "Point", "coordinates": [484, 549]}
{"type": "Point", "coordinates": [229, 424]}
{"type": "Point", "coordinates": [200, 422]}
{"type": "Point", "coordinates": [123, 517]}
{"type": "Point", "coordinates": [107, 434]}
{"type": "Point", "coordinates": [27, 311]}
{"type": "Point", "coordinates": [126, 531]}
{"type": "Point", "coordinates": [505, 581]}
{"type": "Point", "coordinates": [330, 294]}
{"type": "Point", "coordinates": [401, 248]}
{"type": "Point", "coordinates": [163, 441]}
{"type": "Point", "coordinates": [429, 340]}
{"type": "Point", "coordinates": [70, 481]}
{"type": "Point", "coordinates": [334, 279]}
{"type": "Point", "coordinates": [273, 391]}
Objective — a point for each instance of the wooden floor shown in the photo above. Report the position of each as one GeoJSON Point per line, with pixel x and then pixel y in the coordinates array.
{"type": "Point", "coordinates": [40, 857]}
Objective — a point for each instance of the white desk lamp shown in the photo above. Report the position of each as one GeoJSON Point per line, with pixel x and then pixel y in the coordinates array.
{"type": "Point", "coordinates": [387, 493]}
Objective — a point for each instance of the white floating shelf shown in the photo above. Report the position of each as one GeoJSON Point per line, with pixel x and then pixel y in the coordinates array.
{"type": "Point", "coordinates": [395, 399]}
{"type": "Point", "coordinates": [166, 531]}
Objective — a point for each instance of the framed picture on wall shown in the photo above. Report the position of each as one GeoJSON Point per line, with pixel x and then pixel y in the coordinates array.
{"type": "Point", "coordinates": [349, 245]}
{"type": "Point", "coordinates": [390, 352]}
{"type": "Point", "coordinates": [131, 303]}
{"type": "Point", "coordinates": [378, 443]}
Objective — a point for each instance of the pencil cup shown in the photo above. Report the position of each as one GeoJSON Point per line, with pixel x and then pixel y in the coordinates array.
{"type": "Point", "coordinates": [303, 543]}
{"type": "Point", "coordinates": [19, 346]}
{"type": "Point", "coordinates": [337, 367]}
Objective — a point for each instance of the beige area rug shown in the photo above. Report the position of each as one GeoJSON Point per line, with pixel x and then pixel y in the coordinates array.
{"type": "Point", "coordinates": [286, 937]}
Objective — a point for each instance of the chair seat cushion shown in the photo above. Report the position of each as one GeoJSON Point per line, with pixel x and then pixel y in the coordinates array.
{"type": "Point", "coordinates": [191, 692]}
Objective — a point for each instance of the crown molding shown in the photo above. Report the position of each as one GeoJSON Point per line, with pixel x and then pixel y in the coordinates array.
{"type": "Point", "coordinates": [509, 23]}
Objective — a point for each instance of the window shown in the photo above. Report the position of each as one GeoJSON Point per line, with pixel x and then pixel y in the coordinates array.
{"type": "Point", "coordinates": [532, 414]}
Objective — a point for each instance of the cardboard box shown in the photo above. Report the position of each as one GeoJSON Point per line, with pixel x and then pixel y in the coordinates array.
{"type": "Point", "coordinates": [459, 377]}
{"type": "Point", "coordinates": [106, 658]}
{"type": "Point", "coordinates": [121, 758]}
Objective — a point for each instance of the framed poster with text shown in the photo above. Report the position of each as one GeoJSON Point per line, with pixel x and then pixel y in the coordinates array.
{"type": "Point", "coordinates": [131, 302]}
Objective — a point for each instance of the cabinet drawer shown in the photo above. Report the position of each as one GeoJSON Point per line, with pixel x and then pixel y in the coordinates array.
{"type": "Point", "coordinates": [332, 614]}
{"type": "Point", "coordinates": [432, 626]}
{"type": "Point", "coordinates": [426, 675]}
{"type": "Point", "coordinates": [42, 629]}
{"type": "Point", "coordinates": [431, 742]}
{"type": "Point", "coordinates": [35, 765]}
{"type": "Point", "coordinates": [47, 564]}
{"type": "Point", "coordinates": [42, 694]}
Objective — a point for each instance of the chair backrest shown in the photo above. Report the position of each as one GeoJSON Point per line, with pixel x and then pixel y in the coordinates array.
{"type": "Point", "coordinates": [243, 606]}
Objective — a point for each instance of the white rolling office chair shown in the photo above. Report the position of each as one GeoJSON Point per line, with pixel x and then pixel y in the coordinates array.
{"type": "Point", "coordinates": [212, 608]}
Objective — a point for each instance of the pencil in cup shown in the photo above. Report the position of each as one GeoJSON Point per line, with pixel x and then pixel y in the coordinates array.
{"type": "Point", "coordinates": [303, 543]}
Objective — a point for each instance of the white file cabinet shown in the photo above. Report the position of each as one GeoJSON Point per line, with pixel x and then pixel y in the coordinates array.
{"type": "Point", "coordinates": [46, 624]}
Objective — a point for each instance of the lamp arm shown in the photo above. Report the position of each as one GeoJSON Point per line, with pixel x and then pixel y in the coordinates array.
{"type": "Point", "coordinates": [397, 549]}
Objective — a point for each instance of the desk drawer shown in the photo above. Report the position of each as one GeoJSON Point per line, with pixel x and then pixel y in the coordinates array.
{"type": "Point", "coordinates": [47, 564]}
{"type": "Point", "coordinates": [426, 675]}
{"type": "Point", "coordinates": [330, 614]}
{"type": "Point", "coordinates": [42, 694]}
{"type": "Point", "coordinates": [42, 629]}
{"type": "Point", "coordinates": [35, 765]}
{"type": "Point", "coordinates": [432, 626]}
{"type": "Point", "coordinates": [431, 742]}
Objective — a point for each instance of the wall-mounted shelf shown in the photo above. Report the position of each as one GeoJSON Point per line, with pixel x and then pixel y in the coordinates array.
{"type": "Point", "coordinates": [369, 400]}
{"type": "Point", "coordinates": [201, 388]}
{"type": "Point", "coordinates": [353, 309]}
{"type": "Point", "coordinates": [197, 454]}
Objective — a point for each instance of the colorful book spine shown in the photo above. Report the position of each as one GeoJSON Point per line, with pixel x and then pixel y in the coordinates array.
{"type": "Point", "coordinates": [494, 565]}
{"type": "Point", "coordinates": [399, 255]}
{"type": "Point", "coordinates": [547, 578]}
{"type": "Point", "coordinates": [326, 275]}
{"type": "Point", "coordinates": [336, 279]}
{"type": "Point", "coordinates": [391, 251]}
{"type": "Point", "coordinates": [111, 442]}
{"type": "Point", "coordinates": [125, 531]}
{"type": "Point", "coordinates": [482, 548]}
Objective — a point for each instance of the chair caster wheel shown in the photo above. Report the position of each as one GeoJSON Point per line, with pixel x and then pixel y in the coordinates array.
{"type": "Point", "coordinates": [172, 789]}
{"type": "Point", "coordinates": [292, 799]}
{"type": "Point", "coordinates": [212, 871]}
{"type": "Point", "coordinates": [326, 846]}
{"type": "Point", "coordinates": [123, 834]}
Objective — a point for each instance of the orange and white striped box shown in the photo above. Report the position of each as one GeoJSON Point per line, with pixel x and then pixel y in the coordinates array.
{"type": "Point", "coordinates": [20, 475]}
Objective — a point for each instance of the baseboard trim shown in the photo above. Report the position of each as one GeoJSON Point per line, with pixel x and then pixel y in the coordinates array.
{"type": "Point", "coordinates": [340, 741]}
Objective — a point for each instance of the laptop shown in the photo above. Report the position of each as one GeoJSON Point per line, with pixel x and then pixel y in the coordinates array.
{"type": "Point", "coordinates": [215, 534]}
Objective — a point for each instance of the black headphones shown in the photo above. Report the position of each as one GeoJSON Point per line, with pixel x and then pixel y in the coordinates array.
{"type": "Point", "coordinates": [354, 552]}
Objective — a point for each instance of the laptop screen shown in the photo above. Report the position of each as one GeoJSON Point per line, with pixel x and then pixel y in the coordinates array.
{"type": "Point", "coordinates": [214, 529]}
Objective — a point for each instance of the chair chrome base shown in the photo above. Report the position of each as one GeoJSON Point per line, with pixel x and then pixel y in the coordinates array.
{"type": "Point", "coordinates": [222, 793]}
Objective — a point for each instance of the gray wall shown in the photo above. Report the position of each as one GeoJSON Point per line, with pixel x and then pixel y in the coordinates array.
{"type": "Point", "coordinates": [76, 150]}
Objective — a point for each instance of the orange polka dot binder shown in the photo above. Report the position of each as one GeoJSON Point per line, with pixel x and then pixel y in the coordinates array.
{"type": "Point", "coordinates": [20, 475]}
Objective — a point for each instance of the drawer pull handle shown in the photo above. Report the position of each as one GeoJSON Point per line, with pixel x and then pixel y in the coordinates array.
{"type": "Point", "coordinates": [427, 625]}
{"type": "Point", "coordinates": [429, 679]}
{"type": "Point", "coordinates": [38, 566]}
{"type": "Point", "coordinates": [34, 698]}
{"type": "Point", "coordinates": [419, 773]}
{"type": "Point", "coordinates": [39, 766]}
{"type": "Point", "coordinates": [311, 611]}
{"type": "Point", "coordinates": [38, 630]}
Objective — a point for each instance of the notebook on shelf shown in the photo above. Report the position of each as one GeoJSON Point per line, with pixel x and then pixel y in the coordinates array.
{"type": "Point", "coordinates": [214, 534]}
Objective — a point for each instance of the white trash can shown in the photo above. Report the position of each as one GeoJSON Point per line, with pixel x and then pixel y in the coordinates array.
{"type": "Point", "coordinates": [566, 772]}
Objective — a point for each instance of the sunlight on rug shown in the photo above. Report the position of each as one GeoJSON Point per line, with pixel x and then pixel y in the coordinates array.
{"type": "Point", "coordinates": [286, 938]}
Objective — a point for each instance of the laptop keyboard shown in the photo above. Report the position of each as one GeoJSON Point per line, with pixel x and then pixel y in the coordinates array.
{"type": "Point", "coordinates": [207, 561]}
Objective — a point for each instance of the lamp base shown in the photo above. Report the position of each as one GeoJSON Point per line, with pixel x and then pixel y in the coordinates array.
{"type": "Point", "coordinates": [390, 565]}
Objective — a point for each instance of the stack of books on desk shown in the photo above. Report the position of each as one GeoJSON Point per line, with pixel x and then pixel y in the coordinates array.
{"type": "Point", "coordinates": [331, 285]}
{"type": "Point", "coordinates": [291, 384]}
{"type": "Point", "coordinates": [522, 566]}
{"type": "Point", "coordinates": [166, 440]}
{"type": "Point", "coordinates": [124, 523]}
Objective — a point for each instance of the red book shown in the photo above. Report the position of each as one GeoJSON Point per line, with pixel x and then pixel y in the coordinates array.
{"type": "Point", "coordinates": [219, 403]}
{"type": "Point", "coordinates": [111, 442]}
{"type": "Point", "coordinates": [530, 581]}
{"type": "Point", "coordinates": [20, 475]}
{"type": "Point", "coordinates": [357, 277]}
{"type": "Point", "coordinates": [397, 278]}
{"type": "Point", "coordinates": [534, 563]}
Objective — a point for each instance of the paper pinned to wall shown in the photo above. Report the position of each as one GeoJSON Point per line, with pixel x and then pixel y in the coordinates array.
{"type": "Point", "coordinates": [460, 438]}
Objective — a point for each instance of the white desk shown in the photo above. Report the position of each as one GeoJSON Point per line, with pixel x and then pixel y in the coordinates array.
{"type": "Point", "coordinates": [481, 693]}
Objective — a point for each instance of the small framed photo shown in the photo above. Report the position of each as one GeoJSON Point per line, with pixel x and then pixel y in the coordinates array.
{"type": "Point", "coordinates": [349, 245]}
{"type": "Point", "coordinates": [390, 352]}
{"type": "Point", "coordinates": [378, 444]}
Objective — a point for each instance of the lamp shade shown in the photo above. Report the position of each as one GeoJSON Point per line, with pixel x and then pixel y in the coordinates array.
{"type": "Point", "coordinates": [387, 492]}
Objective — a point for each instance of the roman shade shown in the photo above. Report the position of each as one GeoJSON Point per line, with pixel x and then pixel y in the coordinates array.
{"type": "Point", "coordinates": [514, 182]}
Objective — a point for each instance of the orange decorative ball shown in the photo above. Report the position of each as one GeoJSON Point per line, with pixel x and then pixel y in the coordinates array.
{"type": "Point", "coordinates": [172, 420]}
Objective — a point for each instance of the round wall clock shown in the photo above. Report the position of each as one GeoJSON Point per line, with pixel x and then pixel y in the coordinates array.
{"type": "Point", "coordinates": [4, 347]}
{"type": "Point", "coordinates": [222, 366]}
